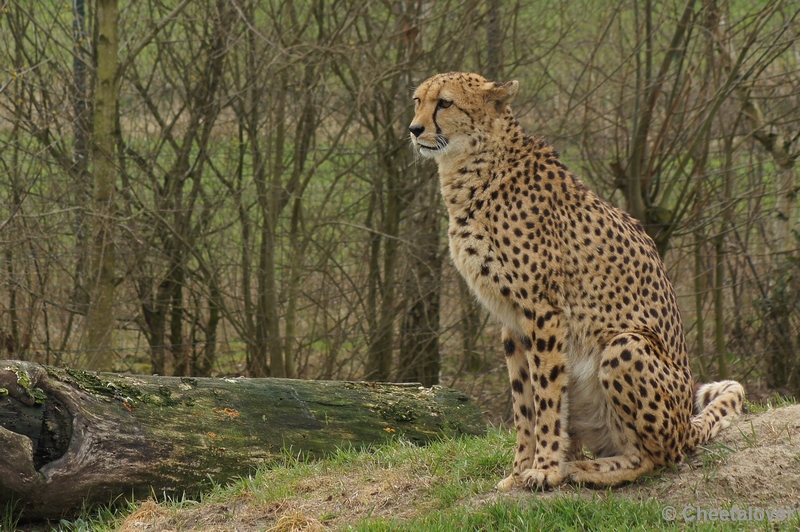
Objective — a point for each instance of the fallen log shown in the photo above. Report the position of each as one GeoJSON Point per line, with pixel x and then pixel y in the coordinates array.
{"type": "Point", "coordinates": [69, 438]}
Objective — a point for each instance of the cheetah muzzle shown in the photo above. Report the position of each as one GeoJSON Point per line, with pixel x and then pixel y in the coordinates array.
{"type": "Point", "coordinates": [592, 334]}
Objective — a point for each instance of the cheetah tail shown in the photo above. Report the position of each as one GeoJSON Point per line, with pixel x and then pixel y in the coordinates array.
{"type": "Point", "coordinates": [716, 405]}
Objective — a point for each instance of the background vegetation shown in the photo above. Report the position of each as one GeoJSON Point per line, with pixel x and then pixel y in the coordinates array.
{"type": "Point", "coordinates": [224, 187]}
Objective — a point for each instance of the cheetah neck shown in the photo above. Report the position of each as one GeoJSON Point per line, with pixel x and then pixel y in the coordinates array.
{"type": "Point", "coordinates": [473, 189]}
{"type": "Point", "coordinates": [465, 177]}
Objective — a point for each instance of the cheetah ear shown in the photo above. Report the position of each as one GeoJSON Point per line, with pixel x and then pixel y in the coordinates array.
{"type": "Point", "coordinates": [501, 93]}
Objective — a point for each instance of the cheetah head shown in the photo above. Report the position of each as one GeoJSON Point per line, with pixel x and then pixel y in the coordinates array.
{"type": "Point", "coordinates": [453, 112]}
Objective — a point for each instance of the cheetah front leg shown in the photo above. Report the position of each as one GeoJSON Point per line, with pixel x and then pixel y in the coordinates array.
{"type": "Point", "coordinates": [545, 404]}
{"type": "Point", "coordinates": [522, 404]}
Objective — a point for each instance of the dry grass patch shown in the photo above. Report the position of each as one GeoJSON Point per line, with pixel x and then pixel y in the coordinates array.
{"type": "Point", "coordinates": [400, 482]}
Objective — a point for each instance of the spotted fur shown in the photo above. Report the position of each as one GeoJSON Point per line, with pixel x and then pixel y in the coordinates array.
{"type": "Point", "coordinates": [592, 335]}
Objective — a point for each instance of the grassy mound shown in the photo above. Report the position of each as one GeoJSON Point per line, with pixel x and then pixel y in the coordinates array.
{"type": "Point", "coordinates": [753, 467]}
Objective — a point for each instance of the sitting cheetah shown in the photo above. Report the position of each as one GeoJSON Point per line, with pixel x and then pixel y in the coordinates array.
{"type": "Point", "coordinates": [593, 339]}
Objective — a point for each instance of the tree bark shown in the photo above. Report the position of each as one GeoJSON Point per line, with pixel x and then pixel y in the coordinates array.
{"type": "Point", "coordinates": [81, 129]}
{"type": "Point", "coordinates": [494, 40]}
{"type": "Point", "coordinates": [73, 437]}
{"type": "Point", "coordinates": [100, 317]}
{"type": "Point", "coordinates": [719, 310]}
{"type": "Point", "coordinates": [699, 299]}
{"type": "Point", "coordinates": [420, 359]}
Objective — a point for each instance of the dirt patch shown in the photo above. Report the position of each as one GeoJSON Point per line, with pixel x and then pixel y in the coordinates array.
{"type": "Point", "coordinates": [324, 502]}
{"type": "Point", "coordinates": [753, 464]}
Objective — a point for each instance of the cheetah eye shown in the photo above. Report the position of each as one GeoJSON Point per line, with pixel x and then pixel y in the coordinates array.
{"type": "Point", "coordinates": [416, 103]}
{"type": "Point", "coordinates": [444, 104]}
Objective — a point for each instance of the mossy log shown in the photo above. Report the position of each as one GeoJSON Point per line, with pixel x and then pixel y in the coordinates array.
{"type": "Point", "coordinates": [69, 438]}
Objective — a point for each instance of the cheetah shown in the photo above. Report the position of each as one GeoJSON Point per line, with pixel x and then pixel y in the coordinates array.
{"type": "Point", "coordinates": [593, 339]}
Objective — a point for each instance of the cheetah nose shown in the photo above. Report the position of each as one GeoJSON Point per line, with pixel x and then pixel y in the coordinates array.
{"type": "Point", "coordinates": [416, 130]}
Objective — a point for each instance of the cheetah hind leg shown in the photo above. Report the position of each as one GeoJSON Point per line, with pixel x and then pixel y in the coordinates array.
{"type": "Point", "coordinates": [642, 412]}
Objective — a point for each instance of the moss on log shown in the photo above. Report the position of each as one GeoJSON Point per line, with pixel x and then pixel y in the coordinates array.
{"type": "Point", "coordinates": [69, 437]}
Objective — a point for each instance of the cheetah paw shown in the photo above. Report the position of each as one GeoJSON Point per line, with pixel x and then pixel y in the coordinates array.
{"type": "Point", "coordinates": [540, 478]}
{"type": "Point", "coordinates": [507, 484]}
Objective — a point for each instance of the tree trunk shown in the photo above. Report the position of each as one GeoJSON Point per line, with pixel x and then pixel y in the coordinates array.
{"type": "Point", "coordinates": [154, 313]}
{"type": "Point", "coordinates": [100, 319]}
{"type": "Point", "coordinates": [177, 344]}
{"type": "Point", "coordinates": [719, 247]}
{"type": "Point", "coordinates": [80, 157]}
{"type": "Point", "coordinates": [297, 253]}
{"type": "Point", "coordinates": [10, 339]}
{"type": "Point", "coordinates": [719, 310]}
{"type": "Point", "coordinates": [74, 437]}
{"type": "Point", "coordinates": [268, 184]}
{"type": "Point", "coordinates": [420, 359]}
{"type": "Point", "coordinates": [206, 363]}
{"type": "Point", "coordinates": [699, 299]}
{"type": "Point", "coordinates": [381, 343]}
{"type": "Point", "coordinates": [304, 135]}
{"type": "Point", "coordinates": [494, 40]}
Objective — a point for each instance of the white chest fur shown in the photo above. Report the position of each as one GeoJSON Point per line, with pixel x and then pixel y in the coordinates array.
{"type": "Point", "coordinates": [477, 262]}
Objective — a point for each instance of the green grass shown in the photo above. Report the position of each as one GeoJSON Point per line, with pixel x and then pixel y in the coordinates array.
{"type": "Point", "coordinates": [777, 401]}
{"type": "Point", "coordinates": [601, 511]}
{"type": "Point", "coordinates": [714, 454]}
{"type": "Point", "coordinates": [563, 513]}
{"type": "Point", "coordinates": [8, 519]}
